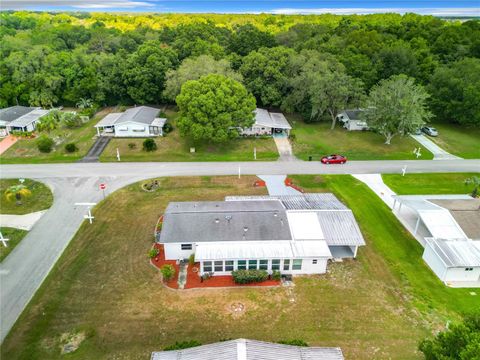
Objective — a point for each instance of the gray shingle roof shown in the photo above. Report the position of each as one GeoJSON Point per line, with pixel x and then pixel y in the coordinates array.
{"type": "Point", "coordinates": [250, 350]}
{"type": "Point", "coordinates": [14, 112]}
{"type": "Point", "coordinates": [224, 221]}
{"type": "Point", "coordinates": [141, 114]}
{"type": "Point", "coordinates": [28, 118]}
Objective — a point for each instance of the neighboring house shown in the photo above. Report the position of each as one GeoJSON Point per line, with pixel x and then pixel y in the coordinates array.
{"type": "Point", "coordinates": [243, 349]}
{"type": "Point", "coordinates": [267, 124]}
{"type": "Point", "coordinates": [351, 120]}
{"type": "Point", "coordinates": [450, 228]}
{"type": "Point", "coordinates": [141, 121]}
{"type": "Point", "coordinates": [20, 118]}
{"type": "Point", "coordinates": [295, 234]}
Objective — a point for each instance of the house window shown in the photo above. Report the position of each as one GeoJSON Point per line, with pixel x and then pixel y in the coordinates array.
{"type": "Point", "coordinates": [207, 266]}
{"type": "Point", "coordinates": [468, 269]}
{"type": "Point", "coordinates": [218, 265]}
{"type": "Point", "coordinates": [229, 265]}
{"type": "Point", "coordinates": [263, 265]}
{"type": "Point", "coordinates": [286, 264]}
{"type": "Point", "coordinates": [276, 264]}
{"type": "Point", "coordinates": [186, 246]}
{"type": "Point", "coordinates": [242, 265]}
{"type": "Point", "coordinates": [297, 264]}
{"type": "Point", "coordinates": [252, 264]}
{"type": "Point", "coordinates": [314, 261]}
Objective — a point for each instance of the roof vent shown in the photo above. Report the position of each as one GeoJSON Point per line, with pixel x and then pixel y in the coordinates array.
{"type": "Point", "coordinates": [245, 229]}
{"type": "Point", "coordinates": [217, 220]}
{"type": "Point", "coordinates": [275, 213]}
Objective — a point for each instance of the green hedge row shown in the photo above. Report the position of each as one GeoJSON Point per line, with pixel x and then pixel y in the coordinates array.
{"type": "Point", "coordinates": [249, 276]}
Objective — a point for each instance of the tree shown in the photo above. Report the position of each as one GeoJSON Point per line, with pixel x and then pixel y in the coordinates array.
{"type": "Point", "coordinates": [396, 59]}
{"type": "Point", "coordinates": [17, 192]}
{"type": "Point", "coordinates": [193, 69]}
{"type": "Point", "coordinates": [50, 121]}
{"type": "Point", "coordinates": [84, 103]}
{"type": "Point", "coordinates": [455, 90]}
{"type": "Point", "coordinates": [212, 107]}
{"type": "Point", "coordinates": [397, 106]}
{"type": "Point", "coordinates": [248, 38]}
{"type": "Point", "coordinates": [168, 272]}
{"type": "Point", "coordinates": [45, 144]}
{"type": "Point", "coordinates": [149, 145]}
{"type": "Point", "coordinates": [460, 341]}
{"type": "Point", "coordinates": [71, 119]}
{"type": "Point", "coordinates": [475, 181]}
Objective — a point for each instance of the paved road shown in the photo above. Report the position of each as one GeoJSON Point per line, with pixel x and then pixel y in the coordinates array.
{"type": "Point", "coordinates": [24, 270]}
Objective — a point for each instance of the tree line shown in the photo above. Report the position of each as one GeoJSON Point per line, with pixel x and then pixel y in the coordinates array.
{"type": "Point", "coordinates": [313, 65]}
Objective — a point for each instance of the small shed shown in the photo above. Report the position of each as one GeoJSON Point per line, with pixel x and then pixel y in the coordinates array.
{"type": "Point", "coordinates": [352, 120]}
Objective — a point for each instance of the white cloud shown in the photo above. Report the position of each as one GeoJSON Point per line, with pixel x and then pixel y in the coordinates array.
{"type": "Point", "coordinates": [79, 4]}
{"type": "Point", "coordinates": [347, 11]}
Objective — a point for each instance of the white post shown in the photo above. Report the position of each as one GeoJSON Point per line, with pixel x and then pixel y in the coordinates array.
{"type": "Point", "coordinates": [255, 153]}
{"type": "Point", "coordinates": [404, 170]}
{"type": "Point", "coordinates": [118, 155]}
{"type": "Point", "coordinates": [239, 171]}
{"type": "Point", "coordinates": [89, 215]}
{"type": "Point", "coordinates": [98, 132]}
{"type": "Point", "coordinates": [355, 252]}
{"type": "Point", "coordinates": [394, 203]}
{"type": "Point", "coordinates": [3, 240]}
{"type": "Point", "coordinates": [416, 226]}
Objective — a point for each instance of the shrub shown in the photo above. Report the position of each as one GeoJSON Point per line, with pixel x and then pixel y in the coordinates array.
{"type": "Point", "coordinates": [191, 260]}
{"type": "Point", "coordinates": [183, 345]}
{"type": "Point", "coordinates": [249, 276]}
{"type": "Point", "coordinates": [276, 275]}
{"type": "Point", "coordinates": [71, 147]}
{"type": "Point", "coordinates": [71, 120]}
{"type": "Point", "coordinates": [153, 253]}
{"type": "Point", "coordinates": [294, 342]}
{"type": "Point", "coordinates": [149, 145]}
{"type": "Point", "coordinates": [44, 144]}
{"type": "Point", "coordinates": [167, 128]}
{"type": "Point", "coordinates": [132, 146]}
{"type": "Point", "coordinates": [168, 272]}
{"type": "Point", "coordinates": [89, 111]}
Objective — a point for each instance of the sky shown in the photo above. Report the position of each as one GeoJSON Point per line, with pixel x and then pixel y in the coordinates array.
{"type": "Point", "coordinates": [431, 7]}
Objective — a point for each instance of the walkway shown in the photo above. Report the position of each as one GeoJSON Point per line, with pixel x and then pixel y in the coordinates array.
{"type": "Point", "coordinates": [24, 222]}
{"type": "Point", "coordinates": [276, 185]}
{"type": "Point", "coordinates": [284, 148]}
{"type": "Point", "coordinates": [376, 184]}
{"type": "Point", "coordinates": [7, 142]}
{"type": "Point", "coordinates": [437, 151]}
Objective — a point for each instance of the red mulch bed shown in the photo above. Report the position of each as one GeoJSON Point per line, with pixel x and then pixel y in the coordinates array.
{"type": "Point", "coordinates": [194, 281]}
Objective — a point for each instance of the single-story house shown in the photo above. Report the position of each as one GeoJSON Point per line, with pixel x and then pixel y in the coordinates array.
{"type": "Point", "coordinates": [267, 124]}
{"type": "Point", "coordinates": [140, 121]}
{"type": "Point", "coordinates": [20, 118]}
{"type": "Point", "coordinates": [294, 234]}
{"type": "Point", "coordinates": [450, 228]}
{"type": "Point", "coordinates": [351, 120]}
{"type": "Point", "coordinates": [244, 349]}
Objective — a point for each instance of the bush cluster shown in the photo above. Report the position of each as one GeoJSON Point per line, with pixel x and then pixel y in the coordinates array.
{"type": "Point", "coordinates": [149, 145]}
{"type": "Point", "coordinates": [249, 276]}
{"type": "Point", "coordinates": [45, 144]}
{"type": "Point", "coordinates": [71, 147]}
{"type": "Point", "coordinates": [276, 275]}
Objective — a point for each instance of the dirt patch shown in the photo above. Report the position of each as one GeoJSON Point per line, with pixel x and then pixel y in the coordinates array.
{"type": "Point", "coordinates": [236, 309]}
{"type": "Point", "coordinates": [69, 342]}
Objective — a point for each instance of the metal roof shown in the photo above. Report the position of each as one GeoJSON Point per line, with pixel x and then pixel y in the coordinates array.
{"type": "Point", "coordinates": [273, 120]}
{"type": "Point", "coordinates": [28, 118]}
{"type": "Point", "coordinates": [340, 228]}
{"type": "Point", "coordinates": [307, 201]}
{"type": "Point", "coordinates": [14, 112]}
{"type": "Point", "coordinates": [140, 114]}
{"type": "Point", "coordinates": [243, 349]}
{"type": "Point", "coordinates": [455, 253]}
{"type": "Point", "coordinates": [304, 226]}
{"type": "Point", "coordinates": [209, 221]}
{"type": "Point", "coordinates": [109, 120]}
{"type": "Point", "coordinates": [280, 121]}
{"type": "Point", "coordinates": [441, 224]}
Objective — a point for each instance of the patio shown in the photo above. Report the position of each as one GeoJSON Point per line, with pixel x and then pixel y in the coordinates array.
{"type": "Point", "coordinates": [194, 281]}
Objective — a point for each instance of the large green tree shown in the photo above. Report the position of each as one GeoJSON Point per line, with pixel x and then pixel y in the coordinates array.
{"type": "Point", "coordinates": [397, 106]}
{"type": "Point", "coordinates": [212, 107]}
{"type": "Point", "coordinates": [455, 92]}
{"type": "Point", "coordinates": [193, 69]}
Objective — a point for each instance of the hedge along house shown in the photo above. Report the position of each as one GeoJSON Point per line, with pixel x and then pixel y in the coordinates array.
{"type": "Point", "coordinates": [294, 234]}
{"type": "Point", "coordinates": [20, 118]}
{"type": "Point", "coordinates": [267, 124]}
{"type": "Point", "coordinates": [141, 121]}
{"type": "Point", "coordinates": [448, 226]}
{"type": "Point", "coordinates": [352, 120]}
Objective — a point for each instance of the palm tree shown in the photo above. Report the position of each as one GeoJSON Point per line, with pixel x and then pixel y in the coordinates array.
{"type": "Point", "coordinates": [84, 103]}
{"type": "Point", "coordinates": [475, 181]}
{"type": "Point", "coordinates": [17, 192]}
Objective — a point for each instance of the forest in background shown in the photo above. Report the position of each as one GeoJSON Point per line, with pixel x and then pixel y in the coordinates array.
{"type": "Point", "coordinates": [51, 59]}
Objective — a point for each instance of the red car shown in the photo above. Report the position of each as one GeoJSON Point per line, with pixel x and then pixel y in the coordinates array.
{"type": "Point", "coordinates": [334, 159]}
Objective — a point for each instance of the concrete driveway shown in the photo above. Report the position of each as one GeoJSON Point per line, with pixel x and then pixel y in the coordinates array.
{"type": "Point", "coordinates": [284, 149]}
{"type": "Point", "coordinates": [437, 151]}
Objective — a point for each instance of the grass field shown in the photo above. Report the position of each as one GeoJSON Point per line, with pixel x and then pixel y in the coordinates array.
{"type": "Point", "coordinates": [173, 147]}
{"type": "Point", "coordinates": [104, 287]}
{"type": "Point", "coordinates": [41, 197]}
{"type": "Point", "coordinates": [14, 236]}
{"type": "Point", "coordinates": [25, 151]}
{"type": "Point", "coordinates": [318, 140]}
{"type": "Point", "coordinates": [458, 140]}
{"type": "Point", "coordinates": [423, 184]}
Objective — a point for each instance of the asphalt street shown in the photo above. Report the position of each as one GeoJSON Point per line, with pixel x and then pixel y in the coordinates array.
{"type": "Point", "coordinates": [24, 270]}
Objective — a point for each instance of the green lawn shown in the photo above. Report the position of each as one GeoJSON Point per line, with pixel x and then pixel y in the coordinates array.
{"type": "Point", "coordinates": [41, 197]}
{"type": "Point", "coordinates": [458, 140]}
{"type": "Point", "coordinates": [15, 236]}
{"type": "Point", "coordinates": [25, 151]}
{"type": "Point", "coordinates": [173, 147]}
{"type": "Point", "coordinates": [318, 140]}
{"type": "Point", "coordinates": [104, 287]}
{"type": "Point", "coordinates": [402, 254]}
{"type": "Point", "coordinates": [418, 184]}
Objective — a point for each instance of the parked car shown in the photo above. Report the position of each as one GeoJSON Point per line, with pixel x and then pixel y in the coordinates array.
{"type": "Point", "coordinates": [334, 159]}
{"type": "Point", "coordinates": [430, 131]}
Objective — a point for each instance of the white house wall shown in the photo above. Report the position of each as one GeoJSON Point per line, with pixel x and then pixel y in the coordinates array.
{"type": "Point", "coordinates": [127, 130]}
{"type": "Point", "coordinates": [257, 130]}
{"type": "Point", "coordinates": [460, 275]}
{"type": "Point", "coordinates": [434, 262]}
{"type": "Point", "coordinates": [173, 251]}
